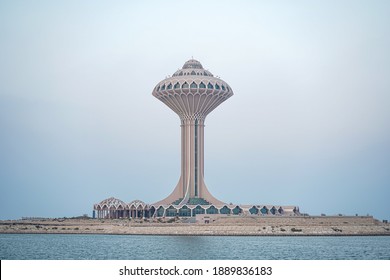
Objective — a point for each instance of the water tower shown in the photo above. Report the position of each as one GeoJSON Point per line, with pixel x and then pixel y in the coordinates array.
{"type": "Point", "coordinates": [192, 92]}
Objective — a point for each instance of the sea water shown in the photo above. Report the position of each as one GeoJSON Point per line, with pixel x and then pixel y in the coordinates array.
{"type": "Point", "coordinates": [147, 247]}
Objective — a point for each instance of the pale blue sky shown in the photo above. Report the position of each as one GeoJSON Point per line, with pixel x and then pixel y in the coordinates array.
{"type": "Point", "coordinates": [309, 123]}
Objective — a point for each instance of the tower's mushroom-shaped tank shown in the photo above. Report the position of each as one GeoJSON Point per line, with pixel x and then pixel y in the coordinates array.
{"type": "Point", "coordinates": [192, 92]}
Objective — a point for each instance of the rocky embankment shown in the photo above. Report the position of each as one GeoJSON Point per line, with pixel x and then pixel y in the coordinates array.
{"type": "Point", "coordinates": [232, 225]}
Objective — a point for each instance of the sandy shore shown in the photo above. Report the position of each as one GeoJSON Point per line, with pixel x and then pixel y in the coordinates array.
{"type": "Point", "coordinates": [239, 226]}
{"type": "Point", "coordinates": [229, 226]}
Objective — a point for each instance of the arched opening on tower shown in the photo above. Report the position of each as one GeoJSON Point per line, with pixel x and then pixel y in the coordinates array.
{"type": "Point", "coordinates": [225, 210]}
{"type": "Point", "coordinates": [254, 210]}
{"type": "Point", "coordinates": [171, 211]}
{"type": "Point", "coordinates": [198, 210]}
{"type": "Point", "coordinates": [152, 211]}
{"type": "Point", "coordinates": [184, 211]}
{"type": "Point", "coordinates": [160, 211]}
{"type": "Point", "coordinates": [264, 210]}
{"type": "Point", "coordinates": [237, 210]}
{"type": "Point", "coordinates": [212, 210]}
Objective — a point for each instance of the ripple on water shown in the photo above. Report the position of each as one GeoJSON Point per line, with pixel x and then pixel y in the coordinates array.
{"type": "Point", "coordinates": [111, 247]}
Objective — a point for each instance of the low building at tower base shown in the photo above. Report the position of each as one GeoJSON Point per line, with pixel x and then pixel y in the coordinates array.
{"type": "Point", "coordinates": [113, 208]}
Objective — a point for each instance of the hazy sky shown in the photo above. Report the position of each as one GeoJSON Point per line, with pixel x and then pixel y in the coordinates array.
{"type": "Point", "coordinates": [308, 125]}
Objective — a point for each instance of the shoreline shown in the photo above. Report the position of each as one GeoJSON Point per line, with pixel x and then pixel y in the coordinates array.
{"type": "Point", "coordinates": [194, 235]}
{"type": "Point", "coordinates": [222, 226]}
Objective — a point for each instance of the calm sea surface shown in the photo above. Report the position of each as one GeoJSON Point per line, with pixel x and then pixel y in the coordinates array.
{"type": "Point", "coordinates": [111, 247]}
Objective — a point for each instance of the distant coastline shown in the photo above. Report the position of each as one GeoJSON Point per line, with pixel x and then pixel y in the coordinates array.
{"type": "Point", "coordinates": [221, 226]}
